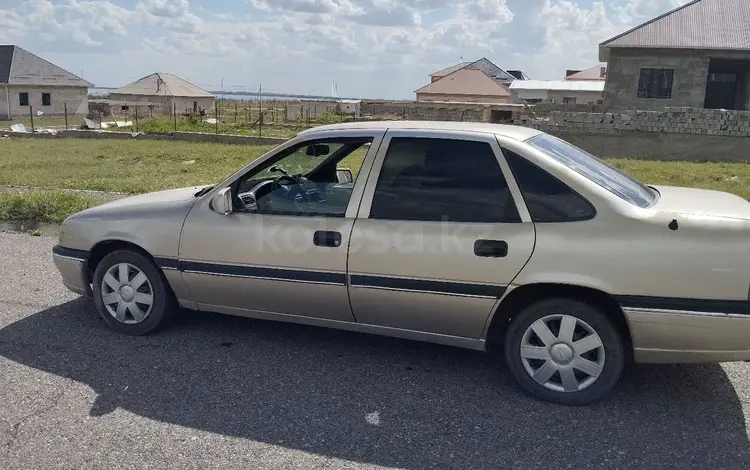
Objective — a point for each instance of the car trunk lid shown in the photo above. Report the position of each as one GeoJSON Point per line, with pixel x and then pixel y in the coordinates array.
{"type": "Point", "coordinates": [702, 202]}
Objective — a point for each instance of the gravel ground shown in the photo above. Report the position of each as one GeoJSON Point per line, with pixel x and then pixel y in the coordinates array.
{"type": "Point", "coordinates": [225, 392]}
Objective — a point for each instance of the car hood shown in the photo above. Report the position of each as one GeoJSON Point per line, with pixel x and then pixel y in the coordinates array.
{"type": "Point", "coordinates": [149, 202]}
{"type": "Point", "coordinates": [701, 202]}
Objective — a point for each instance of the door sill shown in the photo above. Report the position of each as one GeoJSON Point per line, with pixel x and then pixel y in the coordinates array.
{"type": "Point", "coordinates": [457, 341]}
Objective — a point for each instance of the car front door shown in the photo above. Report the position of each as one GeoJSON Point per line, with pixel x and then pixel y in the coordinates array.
{"type": "Point", "coordinates": [442, 230]}
{"type": "Point", "coordinates": [282, 251]}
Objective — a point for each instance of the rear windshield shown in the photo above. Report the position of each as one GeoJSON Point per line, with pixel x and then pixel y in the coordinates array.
{"type": "Point", "coordinates": [598, 171]}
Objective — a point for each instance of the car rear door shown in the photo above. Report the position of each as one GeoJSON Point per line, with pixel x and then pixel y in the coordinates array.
{"type": "Point", "coordinates": [441, 232]}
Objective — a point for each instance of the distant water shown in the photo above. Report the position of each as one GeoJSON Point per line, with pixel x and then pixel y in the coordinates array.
{"type": "Point", "coordinates": [235, 96]}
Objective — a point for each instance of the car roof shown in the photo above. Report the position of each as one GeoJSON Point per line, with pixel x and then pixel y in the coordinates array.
{"type": "Point", "coordinates": [513, 132]}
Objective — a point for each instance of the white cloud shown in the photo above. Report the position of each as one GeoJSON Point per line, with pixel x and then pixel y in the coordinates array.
{"type": "Point", "coordinates": [370, 47]}
{"type": "Point", "coordinates": [571, 34]}
{"type": "Point", "coordinates": [635, 9]}
{"type": "Point", "coordinates": [166, 8]}
{"type": "Point", "coordinates": [172, 15]}
{"type": "Point", "coordinates": [98, 16]}
{"type": "Point", "coordinates": [489, 9]}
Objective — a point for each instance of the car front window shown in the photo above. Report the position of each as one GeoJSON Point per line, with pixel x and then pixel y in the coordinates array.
{"type": "Point", "coordinates": [617, 182]}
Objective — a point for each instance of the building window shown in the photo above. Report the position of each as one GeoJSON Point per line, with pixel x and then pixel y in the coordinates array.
{"type": "Point", "coordinates": [125, 108]}
{"type": "Point", "coordinates": [23, 99]}
{"type": "Point", "coordinates": [46, 99]}
{"type": "Point", "coordinates": [568, 100]}
{"type": "Point", "coordinates": [655, 83]}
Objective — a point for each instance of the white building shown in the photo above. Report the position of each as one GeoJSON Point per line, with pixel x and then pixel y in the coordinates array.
{"type": "Point", "coordinates": [170, 91]}
{"type": "Point", "coordinates": [29, 83]}
{"type": "Point", "coordinates": [558, 91]}
{"type": "Point", "coordinates": [350, 107]}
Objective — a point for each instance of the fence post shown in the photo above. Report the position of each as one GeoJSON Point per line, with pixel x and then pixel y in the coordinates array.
{"type": "Point", "coordinates": [31, 115]}
{"type": "Point", "coordinates": [65, 108]}
{"type": "Point", "coordinates": [174, 113]}
{"type": "Point", "coordinates": [235, 113]}
{"type": "Point", "coordinates": [216, 117]}
{"type": "Point", "coordinates": [136, 118]}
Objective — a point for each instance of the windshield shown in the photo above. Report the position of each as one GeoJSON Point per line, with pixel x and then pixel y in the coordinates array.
{"type": "Point", "coordinates": [598, 171]}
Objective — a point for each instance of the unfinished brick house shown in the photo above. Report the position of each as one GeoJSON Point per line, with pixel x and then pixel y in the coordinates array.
{"type": "Point", "coordinates": [697, 55]}
{"type": "Point", "coordinates": [30, 83]}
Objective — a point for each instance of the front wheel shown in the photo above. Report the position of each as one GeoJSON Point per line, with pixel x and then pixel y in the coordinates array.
{"type": "Point", "coordinates": [565, 351]}
{"type": "Point", "coordinates": [131, 293]}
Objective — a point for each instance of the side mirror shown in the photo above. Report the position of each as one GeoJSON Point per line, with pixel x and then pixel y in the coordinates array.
{"type": "Point", "coordinates": [344, 175]}
{"type": "Point", "coordinates": [222, 201]}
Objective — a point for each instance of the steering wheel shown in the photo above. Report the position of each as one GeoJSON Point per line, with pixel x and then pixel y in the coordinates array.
{"type": "Point", "coordinates": [299, 195]}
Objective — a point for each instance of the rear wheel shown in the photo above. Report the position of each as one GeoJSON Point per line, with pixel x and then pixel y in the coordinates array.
{"type": "Point", "coordinates": [565, 351]}
{"type": "Point", "coordinates": [131, 293]}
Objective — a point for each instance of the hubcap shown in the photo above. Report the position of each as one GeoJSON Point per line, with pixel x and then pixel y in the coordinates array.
{"type": "Point", "coordinates": [563, 353]}
{"type": "Point", "coordinates": [127, 294]}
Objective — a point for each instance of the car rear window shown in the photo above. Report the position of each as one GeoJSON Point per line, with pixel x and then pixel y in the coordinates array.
{"type": "Point", "coordinates": [547, 198]}
{"type": "Point", "coordinates": [617, 182]}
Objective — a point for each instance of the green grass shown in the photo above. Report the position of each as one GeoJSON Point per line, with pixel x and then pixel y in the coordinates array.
{"type": "Point", "coordinates": [119, 166]}
{"type": "Point", "coordinates": [134, 166]}
{"type": "Point", "coordinates": [730, 177]}
{"type": "Point", "coordinates": [164, 125]}
{"type": "Point", "coordinates": [43, 206]}
{"type": "Point", "coordinates": [113, 166]}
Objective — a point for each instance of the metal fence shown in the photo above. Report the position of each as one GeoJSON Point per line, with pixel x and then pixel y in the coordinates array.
{"type": "Point", "coordinates": [257, 118]}
{"type": "Point", "coordinates": [267, 118]}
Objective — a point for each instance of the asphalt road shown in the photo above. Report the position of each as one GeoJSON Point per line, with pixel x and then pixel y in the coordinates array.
{"type": "Point", "coordinates": [225, 392]}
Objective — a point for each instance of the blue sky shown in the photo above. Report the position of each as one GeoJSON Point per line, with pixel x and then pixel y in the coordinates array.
{"type": "Point", "coordinates": [371, 48]}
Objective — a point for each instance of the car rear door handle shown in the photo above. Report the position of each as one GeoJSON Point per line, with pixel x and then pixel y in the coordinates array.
{"type": "Point", "coordinates": [491, 248]}
{"type": "Point", "coordinates": [325, 238]}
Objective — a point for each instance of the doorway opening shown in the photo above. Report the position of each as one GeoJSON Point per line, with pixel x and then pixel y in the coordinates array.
{"type": "Point", "coordinates": [500, 116]}
{"type": "Point", "coordinates": [727, 85]}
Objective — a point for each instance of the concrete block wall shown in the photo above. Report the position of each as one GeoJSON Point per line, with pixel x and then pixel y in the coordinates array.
{"type": "Point", "coordinates": [384, 107]}
{"type": "Point", "coordinates": [75, 99]}
{"type": "Point", "coordinates": [448, 113]}
{"type": "Point", "coordinates": [689, 82]}
{"type": "Point", "coordinates": [170, 104]}
{"type": "Point", "coordinates": [690, 76]}
{"type": "Point", "coordinates": [546, 108]}
{"type": "Point", "coordinates": [675, 120]}
{"type": "Point", "coordinates": [300, 109]}
{"type": "Point", "coordinates": [427, 111]}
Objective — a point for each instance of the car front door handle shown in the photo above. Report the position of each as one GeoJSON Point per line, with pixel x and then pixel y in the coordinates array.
{"type": "Point", "coordinates": [491, 248]}
{"type": "Point", "coordinates": [325, 238]}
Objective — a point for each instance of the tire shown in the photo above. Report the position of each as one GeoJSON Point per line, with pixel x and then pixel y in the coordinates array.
{"type": "Point", "coordinates": [136, 316]}
{"type": "Point", "coordinates": [595, 366]}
